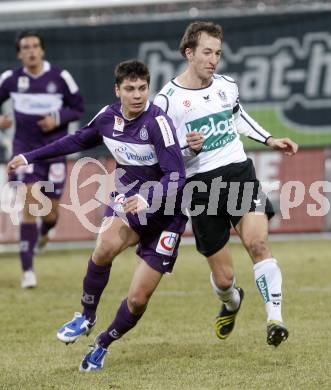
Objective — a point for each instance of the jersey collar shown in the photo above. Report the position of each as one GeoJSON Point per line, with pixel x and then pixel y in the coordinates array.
{"type": "Point", "coordinates": [46, 68]}
{"type": "Point", "coordinates": [175, 82]}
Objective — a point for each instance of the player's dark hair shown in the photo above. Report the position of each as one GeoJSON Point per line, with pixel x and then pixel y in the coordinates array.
{"type": "Point", "coordinates": [132, 70]}
{"type": "Point", "coordinates": [28, 33]}
{"type": "Point", "coordinates": [193, 31]}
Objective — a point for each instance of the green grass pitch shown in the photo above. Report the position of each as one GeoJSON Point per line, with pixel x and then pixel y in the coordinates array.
{"type": "Point", "coordinates": [173, 346]}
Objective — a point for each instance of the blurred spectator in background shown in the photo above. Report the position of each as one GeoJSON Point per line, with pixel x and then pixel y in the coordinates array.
{"type": "Point", "coordinates": [45, 99]}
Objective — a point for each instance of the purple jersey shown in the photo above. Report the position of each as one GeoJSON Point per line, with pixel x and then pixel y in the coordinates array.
{"type": "Point", "coordinates": [52, 92]}
{"type": "Point", "coordinates": [145, 147]}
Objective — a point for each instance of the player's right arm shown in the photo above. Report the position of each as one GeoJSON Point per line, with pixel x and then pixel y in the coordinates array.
{"type": "Point", "coordinates": [15, 162]}
{"type": "Point", "coordinates": [195, 141]}
{"type": "Point", "coordinates": [84, 138]}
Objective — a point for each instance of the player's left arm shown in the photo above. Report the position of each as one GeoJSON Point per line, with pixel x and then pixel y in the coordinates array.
{"type": "Point", "coordinates": [85, 138]}
{"type": "Point", "coordinates": [246, 125]}
{"type": "Point", "coordinates": [285, 145]}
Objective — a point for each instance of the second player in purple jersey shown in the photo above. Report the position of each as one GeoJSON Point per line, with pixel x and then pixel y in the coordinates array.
{"type": "Point", "coordinates": [52, 92]}
{"type": "Point", "coordinates": [45, 100]}
{"type": "Point", "coordinates": [143, 141]}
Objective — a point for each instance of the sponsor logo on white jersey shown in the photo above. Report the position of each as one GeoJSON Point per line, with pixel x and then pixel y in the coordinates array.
{"type": "Point", "coordinates": [218, 129]}
{"type": "Point", "coordinates": [167, 243]}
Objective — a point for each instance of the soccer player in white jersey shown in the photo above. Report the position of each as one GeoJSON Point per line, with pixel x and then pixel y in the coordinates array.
{"type": "Point", "coordinates": [206, 112]}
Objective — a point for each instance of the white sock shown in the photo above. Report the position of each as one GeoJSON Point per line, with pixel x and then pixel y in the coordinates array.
{"type": "Point", "coordinates": [230, 297]}
{"type": "Point", "coordinates": [268, 279]}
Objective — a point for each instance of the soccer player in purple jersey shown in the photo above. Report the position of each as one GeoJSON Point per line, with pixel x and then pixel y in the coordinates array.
{"type": "Point", "coordinates": [142, 139]}
{"type": "Point", "coordinates": [45, 100]}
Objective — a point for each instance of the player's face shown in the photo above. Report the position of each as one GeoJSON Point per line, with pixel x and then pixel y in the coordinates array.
{"type": "Point", "coordinates": [133, 95]}
{"type": "Point", "coordinates": [206, 56]}
{"type": "Point", "coordinates": [31, 53]}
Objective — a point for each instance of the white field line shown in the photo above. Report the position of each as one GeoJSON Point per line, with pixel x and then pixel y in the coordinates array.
{"type": "Point", "coordinates": [184, 293]}
{"type": "Point", "coordinates": [71, 245]}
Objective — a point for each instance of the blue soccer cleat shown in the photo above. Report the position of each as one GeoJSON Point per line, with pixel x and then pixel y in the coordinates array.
{"type": "Point", "coordinates": [94, 360]}
{"type": "Point", "coordinates": [78, 326]}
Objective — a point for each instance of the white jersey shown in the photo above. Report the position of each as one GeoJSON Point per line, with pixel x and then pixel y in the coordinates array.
{"type": "Point", "coordinates": [214, 111]}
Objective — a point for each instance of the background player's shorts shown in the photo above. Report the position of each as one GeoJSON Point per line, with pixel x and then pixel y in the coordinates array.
{"type": "Point", "coordinates": [243, 194]}
{"type": "Point", "coordinates": [159, 238]}
{"type": "Point", "coordinates": [54, 173]}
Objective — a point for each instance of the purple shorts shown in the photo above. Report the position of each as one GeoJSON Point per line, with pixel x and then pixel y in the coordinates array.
{"type": "Point", "coordinates": [54, 173]}
{"type": "Point", "coordinates": [159, 237]}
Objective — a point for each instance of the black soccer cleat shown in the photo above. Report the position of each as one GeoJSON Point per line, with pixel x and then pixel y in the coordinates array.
{"type": "Point", "coordinates": [276, 333]}
{"type": "Point", "coordinates": [41, 244]}
{"type": "Point", "coordinates": [225, 320]}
